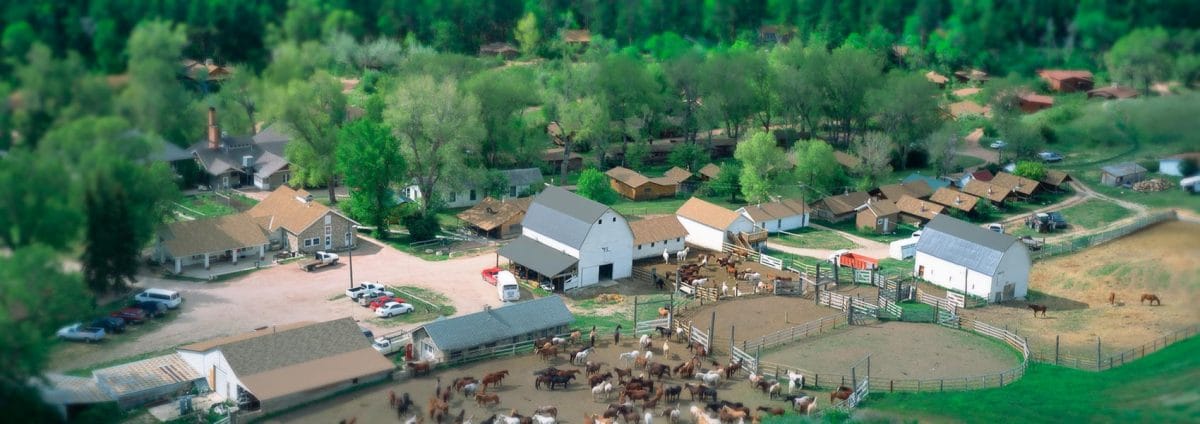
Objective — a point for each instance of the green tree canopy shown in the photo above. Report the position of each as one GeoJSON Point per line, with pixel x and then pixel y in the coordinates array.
{"type": "Point", "coordinates": [155, 101]}
{"type": "Point", "coordinates": [1030, 169]}
{"type": "Point", "coordinates": [593, 184]}
{"type": "Point", "coordinates": [764, 166]}
{"type": "Point", "coordinates": [312, 111]}
{"type": "Point", "coordinates": [817, 167]}
{"type": "Point", "coordinates": [368, 157]}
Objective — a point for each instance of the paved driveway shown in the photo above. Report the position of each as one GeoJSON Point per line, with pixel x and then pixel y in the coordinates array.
{"type": "Point", "coordinates": [284, 294]}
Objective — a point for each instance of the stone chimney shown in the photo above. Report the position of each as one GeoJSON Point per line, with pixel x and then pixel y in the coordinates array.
{"type": "Point", "coordinates": [214, 131]}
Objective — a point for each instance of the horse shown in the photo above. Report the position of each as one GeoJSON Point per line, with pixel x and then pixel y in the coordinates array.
{"type": "Point", "coordinates": [617, 335]}
{"type": "Point", "coordinates": [494, 379]}
{"type": "Point", "coordinates": [598, 379]}
{"type": "Point", "coordinates": [773, 410]}
{"type": "Point", "coordinates": [701, 391]}
{"type": "Point", "coordinates": [663, 331]}
{"type": "Point", "coordinates": [628, 357]}
{"type": "Point", "coordinates": [774, 391]}
{"type": "Point", "coordinates": [1153, 298]}
{"type": "Point", "coordinates": [418, 367]}
{"type": "Point", "coordinates": [604, 389]}
{"type": "Point", "coordinates": [576, 337]}
{"type": "Point", "coordinates": [842, 393]}
{"type": "Point", "coordinates": [711, 378]}
{"type": "Point", "coordinates": [623, 373]}
{"type": "Point", "coordinates": [644, 342]}
{"type": "Point", "coordinates": [484, 399]}
{"type": "Point", "coordinates": [580, 357]}
{"type": "Point", "coordinates": [549, 411]}
{"type": "Point", "coordinates": [657, 370]}
{"type": "Point", "coordinates": [469, 390]}
{"type": "Point", "coordinates": [733, 368]}
{"type": "Point", "coordinates": [681, 255]}
{"type": "Point", "coordinates": [548, 352]}
{"type": "Point", "coordinates": [762, 385]}
{"type": "Point", "coordinates": [795, 379]}
{"type": "Point", "coordinates": [592, 368]}
{"type": "Point", "coordinates": [729, 415]}
{"type": "Point", "coordinates": [663, 312]}
{"type": "Point", "coordinates": [560, 380]}
{"type": "Point", "coordinates": [699, 349]}
{"type": "Point", "coordinates": [666, 257]}
{"type": "Point", "coordinates": [805, 404]}
{"type": "Point", "coordinates": [1112, 298]}
{"type": "Point", "coordinates": [1038, 308]}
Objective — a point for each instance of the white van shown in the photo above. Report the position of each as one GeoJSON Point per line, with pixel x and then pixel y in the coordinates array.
{"type": "Point", "coordinates": [506, 287]}
{"type": "Point", "coordinates": [170, 298]}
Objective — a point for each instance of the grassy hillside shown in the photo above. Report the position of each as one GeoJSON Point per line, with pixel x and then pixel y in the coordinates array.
{"type": "Point", "coordinates": [1160, 388]}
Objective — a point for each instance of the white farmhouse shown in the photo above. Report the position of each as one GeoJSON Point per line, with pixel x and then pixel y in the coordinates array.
{"type": "Point", "coordinates": [958, 255]}
{"type": "Point", "coordinates": [710, 226]}
{"type": "Point", "coordinates": [780, 215]}
{"type": "Point", "coordinates": [571, 241]}
{"type": "Point", "coordinates": [520, 182]}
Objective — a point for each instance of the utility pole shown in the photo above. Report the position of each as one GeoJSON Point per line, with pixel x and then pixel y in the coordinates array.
{"type": "Point", "coordinates": [349, 236]}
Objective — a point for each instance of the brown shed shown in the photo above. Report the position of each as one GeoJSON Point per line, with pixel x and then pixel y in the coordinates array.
{"type": "Point", "coordinates": [880, 216]}
{"type": "Point", "coordinates": [710, 172]}
{"type": "Point", "coordinates": [1054, 179]}
{"type": "Point", "coordinates": [1031, 103]}
{"type": "Point", "coordinates": [917, 211]}
{"type": "Point", "coordinates": [1020, 186]}
{"type": "Point", "coordinates": [841, 207]}
{"type": "Point", "coordinates": [497, 218]}
{"type": "Point", "coordinates": [1066, 80]}
{"type": "Point", "coordinates": [634, 186]}
{"type": "Point", "coordinates": [955, 199]}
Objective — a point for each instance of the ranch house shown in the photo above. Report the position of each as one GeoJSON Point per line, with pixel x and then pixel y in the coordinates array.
{"type": "Point", "coordinates": [273, 369]}
{"type": "Point", "coordinates": [654, 235]}
{"type": "Point", "coordinates": [780, 215]}
{"type": "Point", "coordinates": [955, 199]}
{"type": "Point", "coordinates": [571, 241]}
{"type": "Point", "coordinates": [482, 332]}
{"type": "Point", "coordinates": [840, 207]}
{"type": "Point", "coordinates": [634, 186]}
{"type": "Point", "coordinates": [498, 219]}
{"type": "Point", "coordinates": [961, 256]}
{"type": "Point", "coordinates": [242, 160]}
{"type": "Point", "coordinates": [711, 226]}
{"type": "Point", "coordinates": [519, 182]}
{"type": "Point", "coordinates": [879, 216]}
{"type": "Point", "coordinates": [295, 222]}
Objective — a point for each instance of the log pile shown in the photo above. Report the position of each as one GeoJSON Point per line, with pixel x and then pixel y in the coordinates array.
{"type": "Point", "coordinates": [610, 298]}
{"type": "Point", "coordinates": [1151, 185]}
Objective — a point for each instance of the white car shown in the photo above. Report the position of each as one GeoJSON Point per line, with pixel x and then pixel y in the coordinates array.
{"type": "Point", "coordinates": [170, 298]}
{"type": "Point", "coordinates": [999, 144]}
{"type": "Point", "coordinates": [392, 309]}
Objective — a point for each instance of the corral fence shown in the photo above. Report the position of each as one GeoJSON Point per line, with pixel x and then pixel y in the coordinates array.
{"type": "Point", "coordinates": [696, 335]}
{"type": "Point", "coordinates": [1101, 363]}
{"type": "Point", "coordinates": [1079, 243]}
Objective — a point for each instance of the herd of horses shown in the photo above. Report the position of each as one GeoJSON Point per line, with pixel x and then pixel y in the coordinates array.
{"type": "Point", "coordinates": [642, 387]}
{"type": "Point", "coordinates": [1112, 301]}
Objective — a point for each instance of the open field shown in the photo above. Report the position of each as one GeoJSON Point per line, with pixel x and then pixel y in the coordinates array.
{"type": "Point", "coordinates": [899, 350]}
{"type": "Point", "coordinates": [1160, 388]}
{"type": "Point", "coordinates": [205, 205]}
{"type": "Point", "coordinates": [1160, 259]}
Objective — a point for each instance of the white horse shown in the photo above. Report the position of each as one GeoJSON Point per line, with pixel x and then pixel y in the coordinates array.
{"type": "Point", "coordinates": [644, 341]}
{"type": "Point", "coordinates": [666, 349]}
{"type": "Point", "coordinates": [711, 378]}
{"type": "Point", "coordinates": [629, 356]}
{"type": "Point", "coordinates": [672, 413]}
{"type": "Point", "coordinates": [681, 255]}
{"type": "Point", "coordinates": [647, 418]}
{"type": "Point", "coordinates": [666, 257]}
{"type": "Point", "coordinates": [724, 289]}
{"type": "Point", "coordinates": [648, 355]}
{"type": "Point", "coordinates": [795, 380]}
{"type": "Point", "coordinates": [581, 357]}
{"type": "Point", "coordinates": [544, 419]}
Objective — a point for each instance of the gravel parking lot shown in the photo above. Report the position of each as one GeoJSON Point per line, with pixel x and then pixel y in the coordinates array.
{"type": "Point", "coordinates": [284, 294]}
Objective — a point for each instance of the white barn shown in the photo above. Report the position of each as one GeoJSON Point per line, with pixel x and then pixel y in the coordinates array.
{"type": "Point", "coordinates": [654, 235]}
{"type": "Point", "coordinates": [780, 215]}
{"type": "Point", "coordinates": [958, 255]}
{"type": "Point", "coordinates": [710, 226]}
{"type": "Point", "coordinates": [572, 241]}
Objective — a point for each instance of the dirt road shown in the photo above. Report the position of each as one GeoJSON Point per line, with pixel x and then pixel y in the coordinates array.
{"type": "Point", "coordinates": [284, 294]}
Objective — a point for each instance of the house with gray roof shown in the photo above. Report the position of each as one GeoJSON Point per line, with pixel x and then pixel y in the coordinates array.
{"type": "Point", "coordinates": [242, 160]}
{"type": "Point", "coordinates": [1122, 174]}
{"type": "Point", "coordinates": [474, 334]}
{"type": "Point", "coordinates": [518, 183]}
{"type": "Point", "coordinates": [278, 367]}
{"type": "Point", "coordinates": [967, 258]}
{"type": "Point", "coordinates": [571, 241]}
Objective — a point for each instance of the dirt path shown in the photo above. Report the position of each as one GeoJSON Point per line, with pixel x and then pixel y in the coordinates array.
{"type": "Point", "coordinates": [285, 294]}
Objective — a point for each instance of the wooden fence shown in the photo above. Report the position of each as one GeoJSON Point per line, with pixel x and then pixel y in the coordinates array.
{"type": "Point", "coordinates": [789, 335]}
{"type": "Point", "coordinates": [647, 327]}
{"type": "Point", "coordinates": [1083, 242]}
{"type": "Point", "coordinates": [834, 300]}
{"type": "Point", "coordinates": [937, 302]}
{"type": "Point", "coordinates": [1100, 362]}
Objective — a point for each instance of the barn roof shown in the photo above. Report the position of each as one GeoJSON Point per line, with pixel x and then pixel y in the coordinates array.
{"type": "Point", "coordinates": [563, 216]}
{"type": "Point", "coordinates": [1123, 169]}
{"type": "Point", "coordinates": [496, 324]}
{"type": "Point", "coordinates": [707, 213]}
{"type": "Point", "coordinates": [531, 254]}
{"type": "Point", "coordinates": [660, 228]}
{"type": "Point", "coordinates": [964, 244]}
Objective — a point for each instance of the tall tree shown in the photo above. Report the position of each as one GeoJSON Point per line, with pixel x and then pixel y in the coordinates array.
{"type": "Point", "coordinates": [437, 122]}
{"type": "Point", "coordinates": [581, 120]}
{"type": "Point", "coordinates": [36, 202]}
{"type": "Point", "coordinates": [800, 72]}
{"type": "Point", "coordinates": [817, 167]}
{"type": "Point", "coordinates": [528, 34]}
{"type": "Point", "coordinates": [906, 108]}
{"type": "Point", "coordinates": [728, 182]}
{"type": "Point", "coordinates": [503, 94]}
{"type": "Point", "coordinates": [312, 111]}
{"type": "Point", "coordinates": [593, 184]}
{"type": "Point", "coordinates": [875, 150]}
{"type": "Point", "coordinates": [110, 256]}
{"type": "Point", "coordinates": [47, 86]}
{"type": "Point", "coordinates": [242, 91]}
{"type": "Point", "coordinates": [155, 101]}
{"type": "Point", "coordinates": [630, 92]}
{"type": "Point", "coordinates": [1140, 58]}
{"type": "Point", "coordinates": [729, 91]}
{"type": "Point", "coordinates": [943, 147]}
{"type": "Point", "coordinates": [368, 156]}
{"type": "Point", "coordinates": [685, 77]}
{"type": "Point", "coordinates": [852, 74]}
{"type": "Point", "coordinates": [763, 166]}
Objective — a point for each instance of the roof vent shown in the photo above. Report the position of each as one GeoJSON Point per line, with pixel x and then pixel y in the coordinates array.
{"type": "Point", "coordinates": [957, 200]}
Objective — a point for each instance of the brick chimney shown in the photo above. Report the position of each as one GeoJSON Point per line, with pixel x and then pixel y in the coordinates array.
{"type": "Point", "coordinates": [214, 131]}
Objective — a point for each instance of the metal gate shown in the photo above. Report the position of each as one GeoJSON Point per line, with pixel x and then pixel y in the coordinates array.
{"type": "Point", "coordinates": [647, 327]}
{"type": "Point", "coordinates": [696, 335]}
{"type": "Point", "coordinates": [748, 362]}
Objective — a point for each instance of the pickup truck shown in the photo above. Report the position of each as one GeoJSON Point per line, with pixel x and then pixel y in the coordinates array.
{"type": "Point", "coordinates": [320, 259]}
{"type": "Point", "coordinates": [386, 346]}
{"type": "Point", "coordinates": [365, 299]}
{"type": "Point", "coordinates": [77, 332]}
{"type": "Point", "coordinates": [363, 288]}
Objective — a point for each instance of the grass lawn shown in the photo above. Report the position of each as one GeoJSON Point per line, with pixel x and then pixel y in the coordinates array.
{"type": "Point", "coordinates": [903, 231]}
{"type": "Point", "coordinates": [813, 238]}
{"type": "Point", "coordinates": [1158, 388]}
{"type": "Point", "coordinates": [890, 265]}
{"type": "Point", "coordinates": [789, 259]}
{"type": "Point", "coordinates": [428, 305]}
{"type": "Point", "coordinates": [204, 205]}
{"type": "Point", "coordinates": [666, 205]}
{"type": "Point", "coordinates": [1094, 214]}
{"type": "Point", "coordinates": [403, 243]}
{"type": "Point", "coordinates": [1171, 198]}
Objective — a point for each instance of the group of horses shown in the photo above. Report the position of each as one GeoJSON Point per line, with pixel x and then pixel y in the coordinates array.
{"type": "Point", "coordinates": [1112, 300]}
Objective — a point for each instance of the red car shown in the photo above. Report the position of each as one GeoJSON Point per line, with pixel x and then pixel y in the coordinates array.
{"type": "Point", "coordinates": [489, 275]}
{"type": "Point", "coordinates": [383, 300]}
{"type": "Point", "coordinates": [131, 315]}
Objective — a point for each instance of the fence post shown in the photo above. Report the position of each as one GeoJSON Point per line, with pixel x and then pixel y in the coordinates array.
{"type": "Point", "coordinates": [712, 325]}
{"type": "Point", "coordinates": [1098, 353]}
{"type": "Point", "coordinates": [732, 343]}
{"type": "Point", "coordinates": [1056, 336]}
{"type": "Point", "coordinates": [635, 311]}
{"type": "Point", "coordinates": [757, 357]}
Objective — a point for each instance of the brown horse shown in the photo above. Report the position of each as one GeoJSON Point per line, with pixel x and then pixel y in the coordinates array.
{"type": "Point", "coordinates": [1038, 308]}
{"type": "Point", "coordinates": [548, 352]}
{"type": "Point", "coordinates": [1153, 298]}
{"type": "Point", "coordinates": [419, 367]}
{"type": "Point", "coordinates": [494, 379]}
{"type": "Point", "coordinates": [485, 399]}
{"type": "Point", "coordinates": [842, 393]}
{"type": "Point", "coordinates": [1112, 298]}
{"type": "Point", "coordinates": [699, 350]}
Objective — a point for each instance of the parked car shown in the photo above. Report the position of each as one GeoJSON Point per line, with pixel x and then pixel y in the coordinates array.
{"type": "Point", "coordinates": [393, 308]}
{"type": "Point", "coordinates": [366, 299]}
{"type": "Point", "coordinates": [1050, 156]}
{"type": "Point", "coordinates": [385, 346]}
{"type": "Point", "coordinates": [77, 332]}
{"type": "Point", "coordinates": [363, 288]}
{"type": "Point", "coordinates": [170, 298]}
{"type": "Point", "coordinates": [998, 144]}
{"type": "Point", "coordinates": [153, 309]}
{"type": "Point", "coordinates": [489, 275]}
{"type": "Point", "coordinates": [367, 333]}
{"type": "Point", "coordinates": [130, 315]}
{"type": "Point", "coordinates": [375, 304]}
{"type": "Point", "coordinates": [320, 259]}
{"type": "Point", "coordinates": [110, 324]}
{"type": "Point", "coordinates": [995, 226]}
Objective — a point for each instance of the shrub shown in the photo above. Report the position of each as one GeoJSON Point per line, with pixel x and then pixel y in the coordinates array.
{"type": "Point", "coordinates": [422, 227]}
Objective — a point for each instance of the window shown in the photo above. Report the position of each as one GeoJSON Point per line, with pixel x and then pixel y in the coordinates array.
{"type": "Point", "coordinates": [678, 238]}
{"type": "Point", "coordinates": [328, 219]}
{"type": "Point", "coordinates": [512, 191]}
{"type": "Point", "coordinates": [453, 196]}
{"type": "Point", "coordinates": [315, 241]}
{"type": "Point", "coordinates": [651, 244]}
{"type": "Point", "coordinates": [307, 242]}
{"type": "Point", "coordinates": [639, 247]}
{"type": "Point", "coordinates": [472, 195]}
{"type": "Point", "coordinates": [614, 219]}
{"type": "Point", "coordinates": [328, 229]}
{"type": "Point", "coordinates": [599, 221]}
{"type": "Point", "coordinates": [328, 242]}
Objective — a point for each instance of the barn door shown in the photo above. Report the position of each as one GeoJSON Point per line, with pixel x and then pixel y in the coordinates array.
{"type": "Point", "coordinates": [212, 378]}
{"type": "Point", "coordinates": [1009, 291]}
{"type": "Point", "coordinates": [921, 271]}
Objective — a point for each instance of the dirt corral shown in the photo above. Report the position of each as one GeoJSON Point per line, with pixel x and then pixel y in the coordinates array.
{"type": "Point", "coordinates": [712, 270]}
{"type": "Point", "coordinates": [899, 350]}
{"type": "Point", "coordinates": [1159, 260]}
{"type": "Point", "coordinates": [517, 391]}
{"type": "Point", "coordinates": [756, 316]}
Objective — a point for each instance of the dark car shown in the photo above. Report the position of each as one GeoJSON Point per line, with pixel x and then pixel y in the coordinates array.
{"type": "Point", "coordinates": [153, 309]}
{"type": "Point", "coordinates": [130, 315]}
{"type": "Point", "coordinates": [110, 324]}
